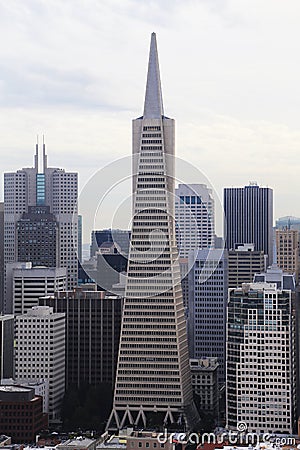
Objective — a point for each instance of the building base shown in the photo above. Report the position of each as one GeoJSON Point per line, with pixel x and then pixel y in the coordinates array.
{"type": "Point", "coordinates": [186, 419]}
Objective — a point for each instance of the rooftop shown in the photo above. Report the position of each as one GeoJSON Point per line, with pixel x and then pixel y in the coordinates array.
{"type": "Point", "coordinates": [77, 442]}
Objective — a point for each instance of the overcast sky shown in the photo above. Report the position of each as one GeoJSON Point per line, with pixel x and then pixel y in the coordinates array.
{"type": "Point", "coordinates": [75, 70]}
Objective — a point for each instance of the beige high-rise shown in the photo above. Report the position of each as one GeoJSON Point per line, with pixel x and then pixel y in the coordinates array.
{"type": "Point", "coordinates": [153, 382]}
{"type": "Point", "coordinates": [287, 248]}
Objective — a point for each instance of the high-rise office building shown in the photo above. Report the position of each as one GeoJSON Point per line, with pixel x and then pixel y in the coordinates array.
{"type": "Point", "coordinates": [287, 249]}
{"type": "Point", "coordinates": [6, 346]}
{"type": "Point", "coordinates": [40, 352]}
{"type": "Point", "coordinates": [261, 366]}
{"type": "Point", "coordinates": [153, 382]}
{"type": "Point", "coordinates": [37, 237]}
{"type": "Point", "coordinates": [93, 325]}
{"type": "Point", "coordinates": [243, 263]}
{"type": "Point", "coordinates": [195, 218]}
{"type": "Point", "coordinates": [249, 218]}
{"type": "Point", "coordinates": [79, 247]}
{"type": "Point", "coordinates": [208, 291]}
{"type": "Point", "coordinates": [2, 268]}
{"type": "Point", "coordinates": [26, 284]}
{"type": "Point", "coordinates": [34, 199]}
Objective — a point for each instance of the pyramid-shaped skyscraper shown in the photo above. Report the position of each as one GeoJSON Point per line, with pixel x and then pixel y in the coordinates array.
{"type": "Point", "coordinates": [153, 381]}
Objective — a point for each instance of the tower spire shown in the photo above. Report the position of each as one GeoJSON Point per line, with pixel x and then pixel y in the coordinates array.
{"type": "Point", "coordinates": [44, 155]}
{"type": "Point", "coordinates": [153, 106]}
{"type": "Point", "coordinates": [36, 156]}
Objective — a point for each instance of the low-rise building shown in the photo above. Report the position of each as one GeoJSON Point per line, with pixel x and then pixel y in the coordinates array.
{"type": "Point", "coordinates": [21, 413]}
{"type": "Point", "coordinates": [40, 386]}
{"type": "Point", "coordinates": [79, 443]}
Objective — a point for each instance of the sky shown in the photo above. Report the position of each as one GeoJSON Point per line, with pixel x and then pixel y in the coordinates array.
{"type": "Point", "coordinates": [75, 71]}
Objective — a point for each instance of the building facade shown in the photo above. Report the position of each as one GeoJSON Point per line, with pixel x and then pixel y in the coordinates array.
{"type": "Point", "coordinates": [40, 352]}
{"type": "Point", "coordinates": [205, 384]}
{"type": "Point", "coordinates": [119, 237]}
{"type": "Point", "coordinates": [195, 218]}
{"type": "Point", "coordinates": [2, 267]}
{"type": "Point", "coordinates": [37, 237]}
{"type": "Point", "coordinates": [21, 413]}
{"type": "Point", "coordinates": [153, 382]}
{"type": "Point", "coordinates": [40, 386]}
{"type": "Point", "coordinates": [249, 218]}
{"type": "Point", "coordinates": [261, 366]}
{"type": "Point", "coordinates": [6, 346]}
{"type": "Point", "coordinates": [287, 248]}
{"type": "Point", "coordinates": [27, 194]}
{"type": "Point", "coordinates": [26, 284]}
{"type": "Point", "coordinates": [243, 263]}
{"type": "Point", "coordinates": [208, 290]}
{"type": "Point", "coordinates": [93, 324]}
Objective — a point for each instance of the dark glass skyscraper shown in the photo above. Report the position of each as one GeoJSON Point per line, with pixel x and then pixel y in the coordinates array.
{"type": "Point", "coordinates": [37, 237]}
{"type": "Point", "coordinates": [249, 218]}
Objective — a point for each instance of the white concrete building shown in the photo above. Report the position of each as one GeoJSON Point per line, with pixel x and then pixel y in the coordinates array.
{"type": "Point", "coordinates": [195, 218]}
{"type": "Point", "coordinates": [26, 284]}
{"type": "Point", "coordinates": [40, 352]}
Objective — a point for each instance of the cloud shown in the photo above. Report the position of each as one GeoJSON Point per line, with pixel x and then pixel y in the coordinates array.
{"type": "Point", "coordinates": [76, 71]}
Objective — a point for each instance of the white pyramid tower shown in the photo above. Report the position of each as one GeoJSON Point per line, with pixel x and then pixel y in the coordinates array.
{"type": "Point", "coordinates": [153, 381]}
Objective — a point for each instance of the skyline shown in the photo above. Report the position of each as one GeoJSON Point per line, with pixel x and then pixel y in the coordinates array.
{"type": "Point", "coordinates": [65, 63]}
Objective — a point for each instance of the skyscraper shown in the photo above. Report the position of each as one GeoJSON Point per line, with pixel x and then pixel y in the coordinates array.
{"type": "Point", "coordinates": [40, 216]}
{"type": "Point", "coordinates": [249, 218]}
{"type": "Point", "coordinates": [6, 346]}
{"type": "Point", "coordinates": [40, 352]}
{"type": "Point", "coordinates": [2, 271]}
{"type": "Point", "coordinates": [195, 218]}
{"type": "Point", "coordinates": [287, 249]}
{"type": "Point", "coordinates": [153, 382]}
{"type": "Point", "coordinates": [261, 366]}
{"type": "Point", "coordinates": [37, 237]}
{"type": "Point", "coordinates": [93, 323]}
{"type": "Point", "coordinates": [243, 263]}
{"type": "Point", "coordinates": [26, 284]}
{"type": "Point", "coordinates": [208, 282]}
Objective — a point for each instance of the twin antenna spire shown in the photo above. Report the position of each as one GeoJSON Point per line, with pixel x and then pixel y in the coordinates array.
{"type": "Point", "coordinates": [40, 164]}
{"type": "Point", "coordinates": [153, 106]}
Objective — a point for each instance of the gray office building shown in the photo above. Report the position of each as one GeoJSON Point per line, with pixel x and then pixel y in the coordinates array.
{"type": "Point", "coordinates": [208, 286]}
{"type": "Point", "coordinates": [93, 324]}
{"type": "Point", "coordinates": [6, 346]}
{"type": "Point", "coordinates": [249, 218]}
{"type": "Point", "coordinates": [40, 217]}
{"type": "Point", "coordinates": [37, 237]}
